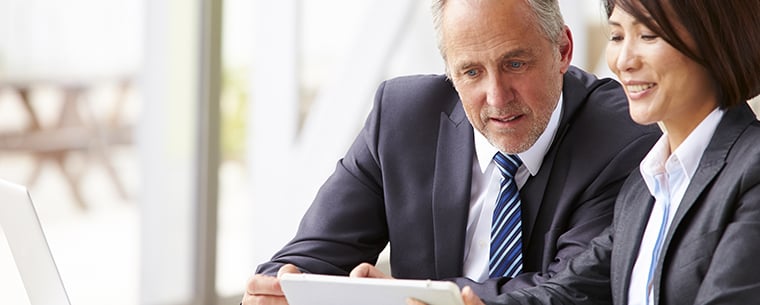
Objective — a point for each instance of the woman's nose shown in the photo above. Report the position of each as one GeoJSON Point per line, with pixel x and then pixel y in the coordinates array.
{"type": "Point", "coordinates": [627, 57]}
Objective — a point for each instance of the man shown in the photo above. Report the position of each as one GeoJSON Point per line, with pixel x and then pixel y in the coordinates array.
{"type": "Point", "coordinates": [422, 178]}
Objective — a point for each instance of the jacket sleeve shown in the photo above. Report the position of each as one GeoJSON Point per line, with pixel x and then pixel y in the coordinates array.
{"type": "Point", "coordinates": [585, 281]}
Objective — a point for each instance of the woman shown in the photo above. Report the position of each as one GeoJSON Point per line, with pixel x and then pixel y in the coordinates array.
{"type": "Point", "coordinates": [686, 228]}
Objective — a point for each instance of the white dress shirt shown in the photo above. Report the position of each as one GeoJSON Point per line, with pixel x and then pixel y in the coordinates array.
{"type": "Point", "coordinates": [486, 181]}
{"type": "Point", "coordinates": [667, 176]}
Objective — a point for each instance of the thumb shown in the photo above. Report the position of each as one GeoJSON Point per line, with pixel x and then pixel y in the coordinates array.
{"type": "Point", "coordinates": [469, 296]}
{"type": "Point", "coordinates": [288, 268]}
{"type": "Point", "coordinates": [367, 270]}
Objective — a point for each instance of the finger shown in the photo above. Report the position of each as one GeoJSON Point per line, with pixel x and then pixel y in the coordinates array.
{"type": "Point", "coordinates": [367, 270]}
{"type": "Point", "coordinates": [362, 270]}
{"type": "Point", "coordinates": [261, 284]}
{"type": "Point", "coordinates": [264, 300]}
{"type": "Point", "coordinates": [469, 297]}
{"type": "Point", "coordinates": [288, 268]}
{"type": "Point", "coordinates": [411, 301]}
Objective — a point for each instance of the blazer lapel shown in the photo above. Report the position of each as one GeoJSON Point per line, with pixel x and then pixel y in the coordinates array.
{"type": "Point", "coordinates": [532, 194]}
{"type": "Point", "coordinates": [451, 191]}
{"type": "Point", "coordinates": [713, 159]}
{"type": "Point", "coordinates": [630, 222]}
{"type": "Point", "coordinates": [729, 129]}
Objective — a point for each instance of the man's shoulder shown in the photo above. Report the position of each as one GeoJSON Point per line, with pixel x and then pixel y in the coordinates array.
{"type": "Point", "coordinates": [419, 81]}
{"type": "Point", "coordinates": [586, 78]}
{"type": "Point", "coordinates": [419, 93]}
{"type": "Point", "coordinates": [585, 86]}
{"type": "Point", "coordinates": [588, 96]}
{"type": "Point", "coordinates": [598, 108]}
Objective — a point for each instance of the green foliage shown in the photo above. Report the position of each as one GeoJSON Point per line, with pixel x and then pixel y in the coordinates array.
{"type": "Point", "coordinates": [234, 112]}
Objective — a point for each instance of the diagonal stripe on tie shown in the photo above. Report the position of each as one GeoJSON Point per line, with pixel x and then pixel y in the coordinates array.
{"type": "Point", "coordinates": [506, 226]}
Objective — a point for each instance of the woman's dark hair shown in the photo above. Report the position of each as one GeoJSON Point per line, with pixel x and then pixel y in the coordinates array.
{"type": "Point", "coordinates": [725, 35]}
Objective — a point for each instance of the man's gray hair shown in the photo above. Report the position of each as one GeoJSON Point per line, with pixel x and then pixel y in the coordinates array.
{"type": "Point", "coordinates": [547, 14]}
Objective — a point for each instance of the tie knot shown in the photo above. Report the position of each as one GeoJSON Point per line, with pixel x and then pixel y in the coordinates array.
{"type": "Point", "coordinates": [507, 164]}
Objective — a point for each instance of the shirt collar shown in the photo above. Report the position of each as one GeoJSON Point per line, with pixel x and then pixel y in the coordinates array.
{"type": "Point", "coordinates": [686, 157]}
{"type": "Point", "coordinates": [531, 158]}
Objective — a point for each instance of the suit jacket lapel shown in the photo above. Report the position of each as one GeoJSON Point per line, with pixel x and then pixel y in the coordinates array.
{"type": "Point", "coordinates": [713, 159]}
{"type": "Point", "coordinates": [451, 191]}
{"type": "Point", "coordinates": [729, 129]}
{"type": "Point", "coordinates": [532, 194]}
{"type": "Point", "coordinates": [636, 205]}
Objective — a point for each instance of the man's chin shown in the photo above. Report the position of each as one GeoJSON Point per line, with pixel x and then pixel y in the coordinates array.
{"type": "Point", "coordinates": [512, 145]}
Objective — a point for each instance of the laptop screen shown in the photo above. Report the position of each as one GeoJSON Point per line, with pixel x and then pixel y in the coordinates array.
{"type": "Point", "coordinates": [29, 248]}
{"type": "Point", "coordinates": [11, 287]}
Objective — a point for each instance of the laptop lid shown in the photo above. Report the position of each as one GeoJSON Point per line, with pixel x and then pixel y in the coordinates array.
{"type": "Point", "coordinates": [26, 240]}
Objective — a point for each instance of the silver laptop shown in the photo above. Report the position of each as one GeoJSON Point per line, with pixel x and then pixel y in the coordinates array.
{"type": "Point", "coordinates": [26, 240]}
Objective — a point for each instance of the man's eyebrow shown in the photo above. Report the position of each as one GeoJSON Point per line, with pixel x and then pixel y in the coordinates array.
{"type": "Point", "coordinates": [511, 54]}
{"type": "Point", "coordinates": [464, 65]}
{"type": "Point", "coordinates": [516, 53]}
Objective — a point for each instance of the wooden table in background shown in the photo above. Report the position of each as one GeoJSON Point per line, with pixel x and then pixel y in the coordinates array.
{"type": "Point", "coordinates": [76, 131]}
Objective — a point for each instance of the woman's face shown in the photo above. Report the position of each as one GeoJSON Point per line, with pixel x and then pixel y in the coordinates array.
{"type": "Point", "coordinates": [662, 84]}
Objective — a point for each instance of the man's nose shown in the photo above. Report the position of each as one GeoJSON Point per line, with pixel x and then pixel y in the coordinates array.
{"type": "Point", "coordinates": [499, 91]}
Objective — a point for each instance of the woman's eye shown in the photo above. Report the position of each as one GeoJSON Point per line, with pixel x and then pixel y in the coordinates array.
{"type": "Point", "coordinates": [616, 38]}
{"type": "Point", "coordinates": [649, 37]}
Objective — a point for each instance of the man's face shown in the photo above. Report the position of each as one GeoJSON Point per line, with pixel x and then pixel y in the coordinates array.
{"type": "Point", "coordinates": [507, 72]}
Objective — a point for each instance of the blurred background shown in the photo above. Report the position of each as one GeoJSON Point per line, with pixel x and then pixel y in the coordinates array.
{"type": "Point", "coordinates": [159, 139]}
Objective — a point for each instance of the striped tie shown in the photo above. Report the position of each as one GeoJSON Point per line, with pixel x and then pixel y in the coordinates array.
{"type": "Point", "coordinates": [506, 225]}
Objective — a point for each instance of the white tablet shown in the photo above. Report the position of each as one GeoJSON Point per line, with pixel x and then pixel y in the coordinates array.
{"type": "Point", "coordinates": [314, 289]}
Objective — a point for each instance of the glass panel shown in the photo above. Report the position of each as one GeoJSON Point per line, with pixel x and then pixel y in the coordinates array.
{"type": "Point", "coordinates": [68, 107]}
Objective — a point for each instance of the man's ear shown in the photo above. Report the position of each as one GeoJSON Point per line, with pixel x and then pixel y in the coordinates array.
{"type": "Point", "coordinates": [565, 49]}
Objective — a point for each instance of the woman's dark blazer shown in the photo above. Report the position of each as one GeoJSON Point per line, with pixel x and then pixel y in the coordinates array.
{"type": "Point", "coordinates": [712, 250]}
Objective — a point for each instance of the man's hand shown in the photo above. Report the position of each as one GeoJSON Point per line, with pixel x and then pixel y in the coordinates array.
{"type": "Point", "coordinates": [368, 270]}
{"type": "Point", "coordinates": [468, 296]}
{"type": "Point", "coordinates": [266, 290]}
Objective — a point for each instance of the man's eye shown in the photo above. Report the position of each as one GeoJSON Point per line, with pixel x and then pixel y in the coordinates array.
{"type": "Point", "coordinates": [471, 73]}
{"type": "Point", "coordinates": [515, 65]}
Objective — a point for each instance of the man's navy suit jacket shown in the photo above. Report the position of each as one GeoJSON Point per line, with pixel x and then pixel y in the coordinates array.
{"type": "Point", "coordinates": [406, 180]}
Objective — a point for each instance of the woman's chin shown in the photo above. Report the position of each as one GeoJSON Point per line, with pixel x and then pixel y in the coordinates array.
{"type": "Point", "coordinates": [642, 114]}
